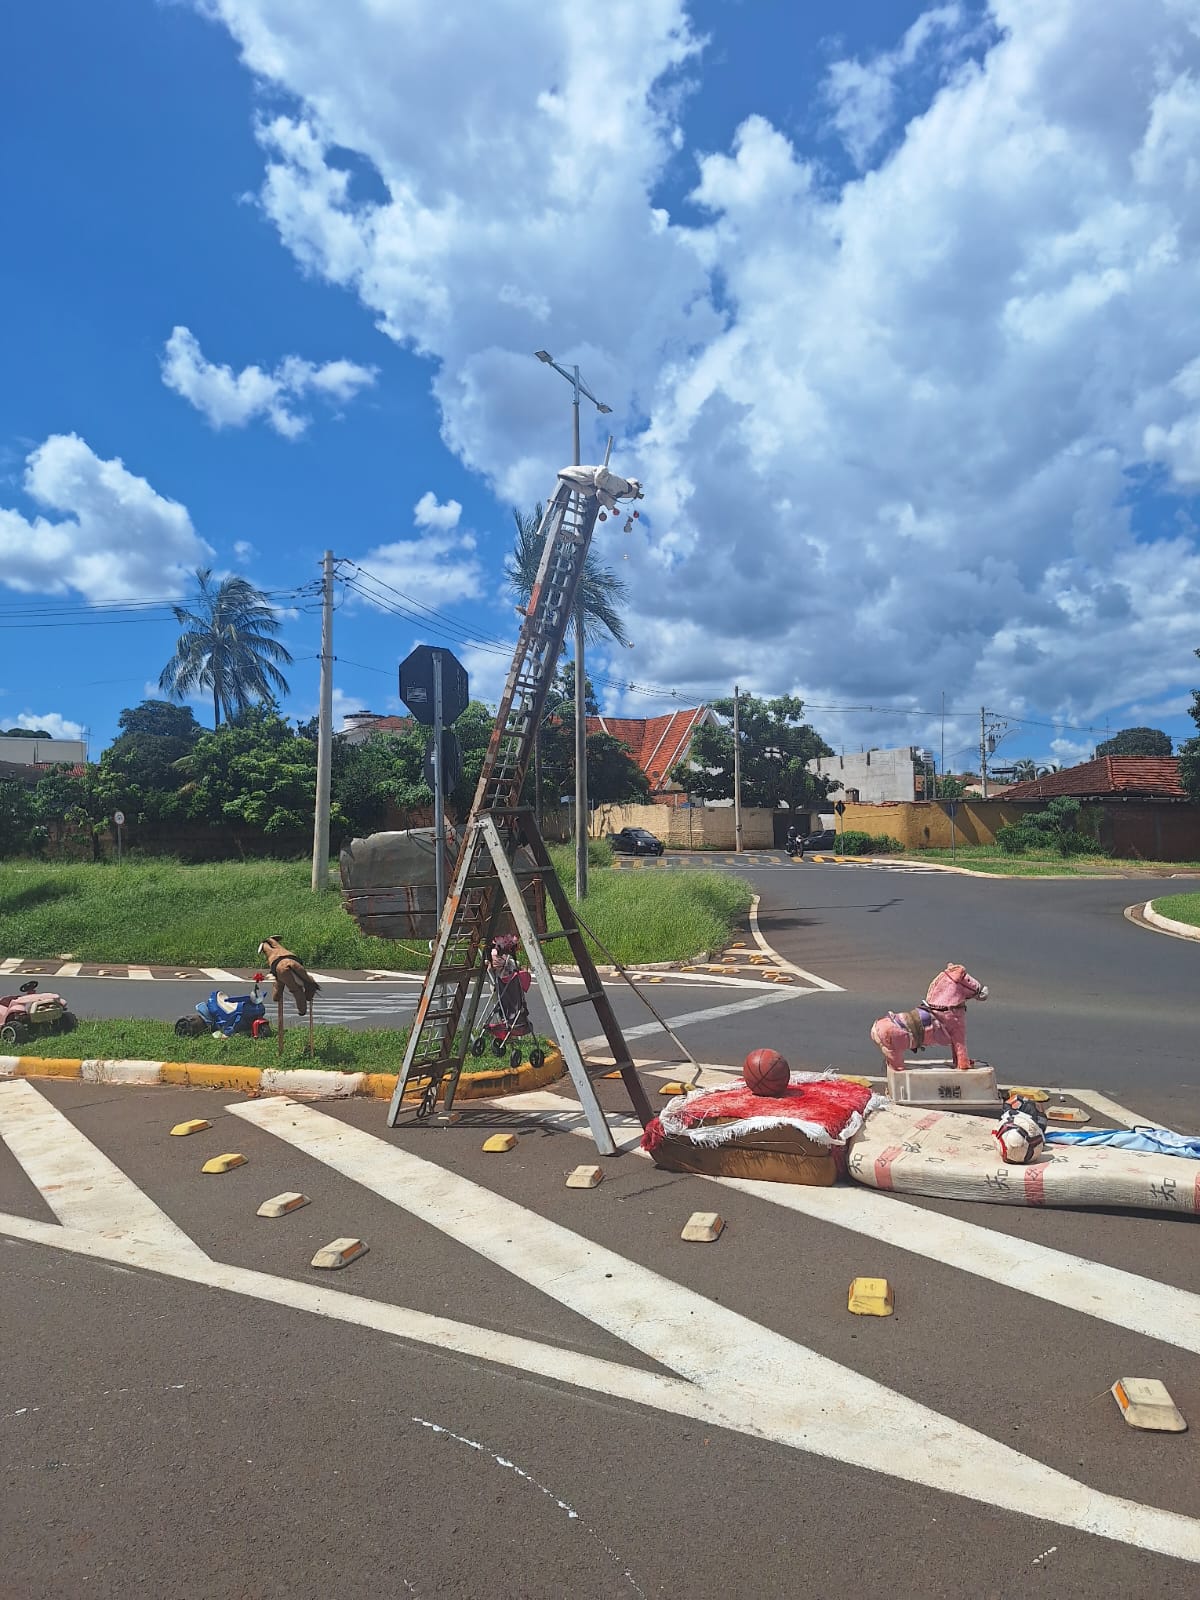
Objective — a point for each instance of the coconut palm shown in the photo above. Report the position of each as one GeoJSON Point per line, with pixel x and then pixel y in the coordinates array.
{"type": "Point", "coordinates": [227, 648]}
{"type": "Point", "coordinates": [599, 595]}
{"type": "Point", "coordinates": [1025, 770]}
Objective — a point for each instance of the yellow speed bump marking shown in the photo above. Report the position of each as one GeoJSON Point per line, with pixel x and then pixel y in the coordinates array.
{"type": "Point", "coordinates": [654, 980]}
{"type": "Point", "coordinates": [499, 1142]}
{"type": "Point", "coordinates": [1040, 1095]}
{"type": "Point", "coordinates": [584, 1178]}
{"type": "Point", "coordinates": [339, 1253]}
{"type": "Point", "coordinates": [1067, 1114]}
{"type": "Point", "coordinates": [702, 1227]}
{"type": "Point", "coordinates": [1145, 1403]}
{"type": "Point", "coordinates": [846, 1077]}
{"type": "Point", "coordinates": [193, 1125]}
{"type": "Point", "coordinates": [676, 1088]}
{"type": "Point", "coordinates": [225, 1163]}
{"type": "Point", "coordinates": [738, 944]}
{"type": "Point", "coordinates": [281, 1204]}
{"type": "Point", "coordinates": [871, 1297]}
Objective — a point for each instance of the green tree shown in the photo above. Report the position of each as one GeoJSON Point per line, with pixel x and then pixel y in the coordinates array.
{"type": "Point", "coordinates": [1189, 751]}
{"type": "Point", "coordinates": [255, 772]}
{"type": "Point", "coordinates": [1056, 829]}
{"type": "Point", "coordinates": [949, 787]}
{"type": "Point", "coordinates": [388, 769]}
{"type": "Point", "coordinates": [777, 746]}
{"type": "Point", "coordinates": [228, 647]}
{"type": "Point", "coordinates": [138, 772]}
{"type": "Point", "coordinates": [25, 733]}
{"type": "Point", "coordinates": [71, 800]}
{"type": "Point", "coordinates": [1024, 770]}
{"type": "Point", "coordinates": [1136, 742]}
{"type": "Point", "coordinates": [21, 832]}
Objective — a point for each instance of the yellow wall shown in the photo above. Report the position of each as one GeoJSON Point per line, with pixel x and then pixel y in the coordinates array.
{"type": "Point", "coordinates": [925, 824]}
{"type": "Point", "coordinates": [689, 827]}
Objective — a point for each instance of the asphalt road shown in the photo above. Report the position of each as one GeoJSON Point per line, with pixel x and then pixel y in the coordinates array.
{"type": "Point", "coordinates": [524, 1390]}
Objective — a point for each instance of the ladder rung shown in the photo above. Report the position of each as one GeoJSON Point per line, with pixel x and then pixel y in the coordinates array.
{"type": "Point", "coordinates": [563, 933]}
{"type": "Point", "coordinates": [583, 999]}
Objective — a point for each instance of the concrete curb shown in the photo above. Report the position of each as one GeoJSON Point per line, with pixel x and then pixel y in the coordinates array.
{"type": "Point", "coordinates": [306, 1081]}
{"type": "Point", "coordinates": [1181, 930]}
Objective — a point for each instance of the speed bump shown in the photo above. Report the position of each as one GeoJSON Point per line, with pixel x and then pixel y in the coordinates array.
{"type": "Point", "coordinates": [339, 1253]}
{"type": "Point", "coordinates": [281, 1204]}
{"type": "Point", "coordinates": [225, 1163]}
{"type": "Point", "coordinates": [193, 1125]}
{"type": "Point", "coordinates": [702, 1227]}
{"type": "Point", "coordinates": [584, 1178]}
{"type": "Point", "coordinates": [675, 1088]}
{"type": "Point", "coordinates": [1145, 1403]}
{"type": "Point", "coordinates": [499, 1142]}
{"type": "Point", "coordinates": [1067, 1114]}
{"type": "Point", "coordinates": [871, 1297]}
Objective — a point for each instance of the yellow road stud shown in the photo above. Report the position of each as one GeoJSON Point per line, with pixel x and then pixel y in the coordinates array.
{"type": "Point", "coordinates": [193, 1125]}
{"type": "Point", "coordinates": [225, 1163]}
{"type": "Point", "coordinates": [282, 1204]}
{"type": "Point", "coordinates": [499, 1142]}
{"type": "Point", "coordinates": [339, 1253]}
{"type": "Point", "coordinates": [654, 980]}
{"type": "Point", "coordinates": [846, 1077]}
{"type": "Point", "coordinates": [702, 1227]}
{"type": "Point", "coordinates": [584, 1178]}
{"type": "Point", "coordinates": [1145, 1403]}
{"type": "Point", "coordinates": [738, 944]}
{"type": "Point", "coordinates": [1040, 1095]}
{"type": "Point", "coordinates": [871, 1297]}
{"type": "Point", "coordinates": [674, 1088]}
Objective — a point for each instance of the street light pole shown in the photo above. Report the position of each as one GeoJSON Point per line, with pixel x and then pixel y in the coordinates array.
{"type": "Point", "coordinates": [578, 388]}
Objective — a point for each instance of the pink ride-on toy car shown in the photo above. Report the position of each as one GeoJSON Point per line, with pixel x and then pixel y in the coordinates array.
{"type": "Point", "coordinates": [28, 1012]}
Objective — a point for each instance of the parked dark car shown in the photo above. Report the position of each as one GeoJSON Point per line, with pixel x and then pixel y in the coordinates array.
{"type": "Point", "coordinates": [635, 842]}
{"type": "Point", "coordinates": [825, 840]}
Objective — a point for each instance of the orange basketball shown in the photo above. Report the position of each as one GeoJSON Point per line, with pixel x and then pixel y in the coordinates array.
{"type": "Point", "coordinates": [766, 1072]}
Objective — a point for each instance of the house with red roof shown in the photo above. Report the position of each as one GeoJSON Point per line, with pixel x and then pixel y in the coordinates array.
{"type": "Point", "coordinates": [1107, 778]}
{"type": "Point", "coordinates": [657, 744]}
{"type": "Point", "coordinates": [1139, 804]}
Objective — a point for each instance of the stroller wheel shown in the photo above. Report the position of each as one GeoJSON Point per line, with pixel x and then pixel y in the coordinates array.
{"type": "Point", "coordinates": [537, 1058]}
{"type": "Point", "coordinates": [497, 1047]}
{"type": "Point", "coordinates": [514, 1059]}
{"type": "Point", "coordinates": [478, 1045]}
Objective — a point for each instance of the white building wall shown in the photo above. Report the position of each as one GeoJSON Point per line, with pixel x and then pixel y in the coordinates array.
{"type": "Point", "coordinates": [36, 752]}
{"type": "Point", "coordinates": [878, 775]}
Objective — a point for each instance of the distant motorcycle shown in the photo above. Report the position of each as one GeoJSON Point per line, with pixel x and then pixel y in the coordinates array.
{"type": "Point", "coordinates": [795, 844]}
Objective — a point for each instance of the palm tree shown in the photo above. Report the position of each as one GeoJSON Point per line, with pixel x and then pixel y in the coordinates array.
{"type": "Point", "coordinates": [228, 647]}
{"type": "Point", "coordinates": [1025, 770]}
{"type": "Point", "coordinates": [601, 592]}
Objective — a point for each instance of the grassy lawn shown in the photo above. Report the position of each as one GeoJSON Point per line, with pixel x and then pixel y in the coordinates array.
{"type": "Point", "coordinates": [1179, 907]}
{"type": "Point", "coordinates": [164, 913]}
{"type": "Point", "coordinates": [983, 858]}
{"type": "Point", "coordinates": [335, 1049]}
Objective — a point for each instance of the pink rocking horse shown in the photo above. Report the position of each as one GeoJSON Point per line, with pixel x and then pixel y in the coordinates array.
{"type": "Point", "coordinates": [940, 1020]}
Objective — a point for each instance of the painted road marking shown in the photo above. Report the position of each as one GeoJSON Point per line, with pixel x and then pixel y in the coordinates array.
{"type": "Point", "coordinates": [1157, 1310]}
{"type": "Point", "coordinates": [10, 963]}
{"type": "Point", "coordinates": [1110, 1108]}
{"type": "Point", "coordinates": [219, 975]}
{"type": "Point", "coordinates": [778, 1388]}
{"type": "Point", "coordinates": [788, 966]}
{"type": "Point", "coordinates": [69, 969]}
{"type": "Point", "coordinates": [82, 1187]}
{"type": "Point", "coordinates": [709, 1015]}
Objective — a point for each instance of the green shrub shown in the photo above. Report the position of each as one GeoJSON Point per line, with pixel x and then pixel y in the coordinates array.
{"type": "Point", "coordinates": [1052, 831]}
{"type": "Point", "coordinates": [853, 842]}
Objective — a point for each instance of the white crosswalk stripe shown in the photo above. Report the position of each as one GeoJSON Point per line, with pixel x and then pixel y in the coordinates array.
{"type": "Point", "coordinates": [778, 1390]}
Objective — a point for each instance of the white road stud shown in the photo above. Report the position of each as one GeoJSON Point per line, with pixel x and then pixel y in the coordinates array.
{"type": "Point", "coordinates": [584, 1178]}
{"type": "Point", "coordinates": [1145, 1403]}
{"type": "Point", "coordinates": [225, 1163]}
{"type": "Point", "coordinates": [192, 1125]}
{"type": "Point", "coordinates": [339, 1253]}
{"type": "Point", "coordinates": [1067, 1114]}
{"type": "Point", "coordinates": [281, 1204]}
{"type": "Point", "coordinates": [871, 1297]}
{"type": "Point", "coordinates": [703, 1227]}
{"type": "Point", "coordinates": [499, 1143]}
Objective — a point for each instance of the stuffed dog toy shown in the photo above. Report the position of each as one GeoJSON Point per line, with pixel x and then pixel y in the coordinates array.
{"type": "Point", "coordinates": [289, 973]}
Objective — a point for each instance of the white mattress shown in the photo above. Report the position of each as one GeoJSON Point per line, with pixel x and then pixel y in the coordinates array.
{"type": "Point", "coordinates": [954, 1157]}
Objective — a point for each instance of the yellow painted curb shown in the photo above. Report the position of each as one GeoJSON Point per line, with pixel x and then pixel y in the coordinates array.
{"type": "Point", "coordinates": [47, 1067]}
{"type": "Point", "coordinates": [197, 1075]}
{"type": "Point", "coordinates": [478, 1085]}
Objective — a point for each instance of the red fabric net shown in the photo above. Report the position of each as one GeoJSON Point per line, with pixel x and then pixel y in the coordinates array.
{"type": "Point", "coordinates": [828, 1102]}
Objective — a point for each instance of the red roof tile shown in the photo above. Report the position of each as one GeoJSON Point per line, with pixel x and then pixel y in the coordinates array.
{"type": "Point", "coordinates": [655, 743]}
{"type": "Point", "coordinates": [1156, 777]}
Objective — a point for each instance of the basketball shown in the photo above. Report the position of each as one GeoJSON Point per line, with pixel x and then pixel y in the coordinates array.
{"type": "Point", "coordinates": [766, 1072]}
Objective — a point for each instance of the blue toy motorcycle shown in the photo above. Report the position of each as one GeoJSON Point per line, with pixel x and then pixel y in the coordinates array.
{"type": "Point", "coordinates": [227, 1014]}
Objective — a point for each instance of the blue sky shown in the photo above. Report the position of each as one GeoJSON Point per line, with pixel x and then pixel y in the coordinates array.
{"type": "Point", "coordinates": [895, 306]}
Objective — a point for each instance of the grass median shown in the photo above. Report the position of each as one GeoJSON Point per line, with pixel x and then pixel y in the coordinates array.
{"type": "Point", "coordinates": [166, 913]}
{"type": "Point", "coordinates": [334, 1049]}
{"type": "Point", "coordinates": [1180, 908]}
{"type": "Point", "coordinates": [984, 858]}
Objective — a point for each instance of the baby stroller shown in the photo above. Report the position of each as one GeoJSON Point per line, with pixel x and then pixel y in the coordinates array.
{"type": "Point", "coordinates": [506, 1014]}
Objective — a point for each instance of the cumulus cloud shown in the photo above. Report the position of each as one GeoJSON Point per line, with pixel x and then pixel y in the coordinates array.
{"type": "Point", "coordinates": [891, 429]}
{"type": "Point", "coordinates": [56, 725]}
{"type": "Point", "coordinates": [232, 399]}
{"type": "Point", "coordinates": [437, 568]}
{"type": "Point", "coordinates": [427, 513]}
{"type": "Point", "coordinates": [110, 536]}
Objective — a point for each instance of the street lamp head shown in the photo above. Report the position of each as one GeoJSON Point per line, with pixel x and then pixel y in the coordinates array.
{"type": "Point", "coordinates": [604, 410]}
{"type": "Point", "coordinates": [543, 355]}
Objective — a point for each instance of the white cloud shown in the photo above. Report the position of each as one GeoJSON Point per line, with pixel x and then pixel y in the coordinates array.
{"type": "Point", "coordinates": [244, 550]}
{"type": "Point", "coordinates": [56, 725]}
{"type": "Point", "coordinates": [891, 428]}
{"type": "Point", "coordinates": [232, 399]}
{"type": "Point", "coordinates": [114, 537]}
{"type": "Point", "coordinates": [427, 513]}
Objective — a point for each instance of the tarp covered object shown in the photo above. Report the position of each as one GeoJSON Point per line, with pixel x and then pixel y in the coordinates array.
{"type": "Point", "coordinates": [1152, 1141]}
{"type": "Point", "coordinates": [388, 883]}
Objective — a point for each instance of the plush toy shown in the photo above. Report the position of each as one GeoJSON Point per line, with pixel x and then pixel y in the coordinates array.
{"type": "Point", "coordinates": [1021, 1131]}
{"type": "Point", "coordinates": [289, 973]}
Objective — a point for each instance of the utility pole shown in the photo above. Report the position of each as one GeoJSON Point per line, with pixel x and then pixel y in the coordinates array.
{"type": "Point", "coordinates": [320, 858]}
{"type": "Point", "coordinates": [737, 774]}
{"type": "Point", "coordinates": [439, 788]}
{"type": "Point", "coordinates": [578, 388]}
{"type": "Point", "coordinates": [983, 750]}
{"type": "Point", "coordinates": [942, 755]}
